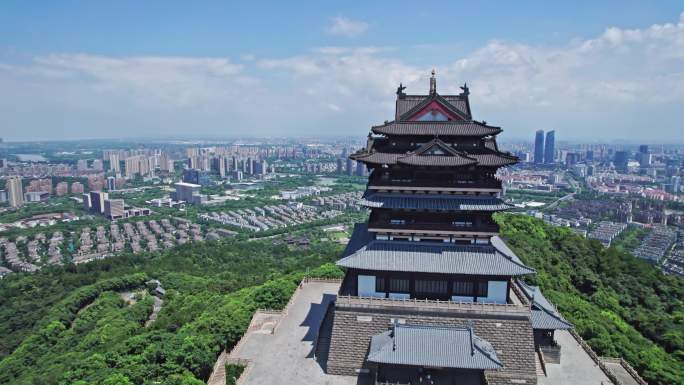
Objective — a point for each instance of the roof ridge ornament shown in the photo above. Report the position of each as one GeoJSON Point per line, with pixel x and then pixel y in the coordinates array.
{"type": "Point", "coordinates": [433, 83]}
{"type": "Point", "coordinates": [466, 90]}
{"type": "Point", "coordinates": [400, 91]}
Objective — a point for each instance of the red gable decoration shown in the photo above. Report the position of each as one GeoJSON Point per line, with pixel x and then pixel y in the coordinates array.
{"type": "Point", "coordinates": [434, 109]}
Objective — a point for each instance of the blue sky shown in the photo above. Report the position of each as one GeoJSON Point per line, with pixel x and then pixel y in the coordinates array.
{"type": "Point", "coordinates": [590, 70]}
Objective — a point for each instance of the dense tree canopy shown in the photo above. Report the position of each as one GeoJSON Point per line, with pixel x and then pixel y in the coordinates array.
{"type": "Point", "coordinates": [623, 306]}
{"type": "Point", "coordinates": [71, 325]}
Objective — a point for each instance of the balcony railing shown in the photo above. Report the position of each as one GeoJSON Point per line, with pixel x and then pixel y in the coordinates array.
{"type": "Point", "coordinates": [510, 309]}
{"type": "Point", "coordinates": [476, 228]}
{"type": "Point", "coordinates": [420, 182]}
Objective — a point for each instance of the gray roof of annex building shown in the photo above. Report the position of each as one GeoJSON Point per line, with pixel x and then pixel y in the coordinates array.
{"type": "Point", "coordinates": [446, 347]}
{"type": "Point", "coordinates": [544, 315]}
{"type": "Point", "coordinates": [433, 202]}
{"type": "Point", "coordinates": [365, 253]}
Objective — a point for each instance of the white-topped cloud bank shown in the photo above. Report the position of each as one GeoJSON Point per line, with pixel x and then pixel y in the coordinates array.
{"type": "Point", "coordinates": [622, 84]}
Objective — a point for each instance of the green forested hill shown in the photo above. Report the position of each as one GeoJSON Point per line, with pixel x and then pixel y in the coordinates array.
{"type": "Point", "coordinates": [70, 325]}
{"type": "Point", "coordinates": [623, 306]}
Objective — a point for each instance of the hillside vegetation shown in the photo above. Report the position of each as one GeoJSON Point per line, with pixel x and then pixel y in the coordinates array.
{"type": "Point", "coordinates": [70, 325]}
{"type": "Point", "coordinates": [623, 306]}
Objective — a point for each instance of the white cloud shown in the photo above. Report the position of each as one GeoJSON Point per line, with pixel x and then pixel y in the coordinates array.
{"type": "Point", "coordinates": [342, 26]}
{"type": "Point", "coordinates": [622, 83]}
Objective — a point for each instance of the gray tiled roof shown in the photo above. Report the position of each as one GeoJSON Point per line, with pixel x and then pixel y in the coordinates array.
{"type": "Point", "coordinates": [545, 321]}
{"type": "Point", "coordinates": [436, 160]}
{"type": "Point", "coordinates": [488, 159]}
{"type": "Point", "coordinates": [359, 238]}
{"type": "Point", "coordinates": [544, 314]}
{"type": "Point", "coordinates": [445, 347]}
{"type": "Point", "coordinates": [453, 103]}
{"type": "Point", "coordinates": [494, 159]}
{"type": "Point", "coordinates": [408, 103]}
{"type": "Point", "coordinates": [436, 128]}
{"type": "Point", "coordinates": [433, 202]}
{"type": "Point", "coordinates": [431, 257]}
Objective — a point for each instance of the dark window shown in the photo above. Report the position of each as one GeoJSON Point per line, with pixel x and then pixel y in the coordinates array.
{"type": "Point", "coordinates": [399, 285]}
{"type": "Point", "coordinates": [482, 288]}
{"type": "Point", "coordinates": [463, 288]}
{"type": "Point", "coordinates": [380, 284]}
{"type": "Point", "coordinates": [431, 287]}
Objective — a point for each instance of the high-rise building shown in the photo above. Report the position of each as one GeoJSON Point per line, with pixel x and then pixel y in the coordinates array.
{"type": "Point", "coordinates": [429, 285]}
{"type": "Point", "coordinates": [571, 159]}
{"type": "Point", "coordinates": [3, 196]}
{"type": "Point", "coordinates": [644, 156]}
{"type": "Point", "coordinates": [77, 188]}
{"type": "Point", "coordinates": [589, 156]}
{"type": "Point", "coordinates": [550, 147]}
{"type": "Point", "coordinates": [87, 203]}
{"type": "Point", "coordinates": [98, 165]}
{"type": "Point", "coordinates": [15, 193]}
{"type": "Point", "coordinates": [114, 208]}
{"type": "Point", "coordinates": [338, 169]}
{"type": "Point", "coordinates": [350, 167]}
{"type": "Point", "coordinates": [111, 183]}
{"type": "Point", "coordinates": [539, 147]}
{"type": "Point", "coordinates": [188, 192]}
{"type": "Point", "coordinates": [62, 189]}
{"type": "Point", "coordinates": [97, 199]}
{"type": "Point", "coordinates": [621, 161]}
{"type": "Point", "coordinates": [114, 162]}
{"type": "Point", "coordinates": [675, 182]}
{"type": "Point", "coordinates": [81, 165]}
{"type": "Point", "coordinates": [195, 176]}
{"type": "Point", "coordinates": [132, 166]}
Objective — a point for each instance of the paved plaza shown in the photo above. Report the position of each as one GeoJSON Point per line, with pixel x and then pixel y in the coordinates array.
{"type": "Point", "coordinates": [576, 366]}
{"type": "Point", "coordinates": [286, 357]}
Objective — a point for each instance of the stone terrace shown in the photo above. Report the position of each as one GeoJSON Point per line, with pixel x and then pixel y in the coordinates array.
{"type": "Point", "coordinates": [279, 348]}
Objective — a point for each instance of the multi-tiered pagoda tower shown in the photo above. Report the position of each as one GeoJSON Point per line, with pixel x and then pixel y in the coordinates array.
{"type": "Point", "coordinates": [430, 291]}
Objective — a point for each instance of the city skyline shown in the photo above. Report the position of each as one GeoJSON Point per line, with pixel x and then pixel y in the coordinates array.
{"type": "Point", "coordinates": [169, 78]}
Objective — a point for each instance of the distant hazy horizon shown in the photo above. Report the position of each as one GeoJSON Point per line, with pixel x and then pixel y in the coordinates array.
{"type": "Point", "coordinates": [593, 72]}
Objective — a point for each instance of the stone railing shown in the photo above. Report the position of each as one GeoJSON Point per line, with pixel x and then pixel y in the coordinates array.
{"type": "Point", "coordinates": [324, 280]}
{"type": "Point", "coordinates": [627, 367]}
{"type": "Point", "coordinates": [600, 363]}
{"type": "Point", "coordinates": [432, 305]}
